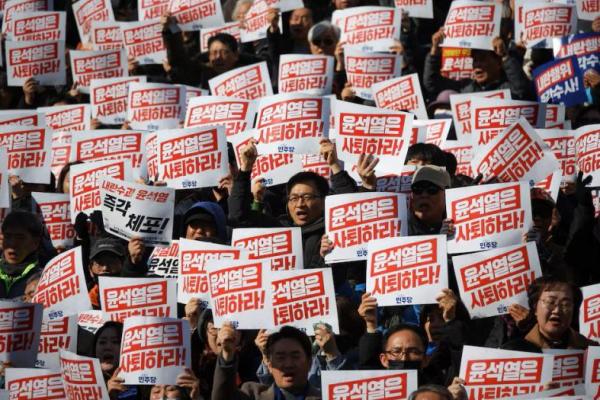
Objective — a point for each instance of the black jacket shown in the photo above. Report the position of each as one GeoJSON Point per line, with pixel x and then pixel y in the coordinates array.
{"type": "Point", "coordinates": [514, 79]}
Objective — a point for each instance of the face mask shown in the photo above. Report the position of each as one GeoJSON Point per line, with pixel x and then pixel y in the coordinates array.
{"type": "Point", "coordinates": [406, 364]}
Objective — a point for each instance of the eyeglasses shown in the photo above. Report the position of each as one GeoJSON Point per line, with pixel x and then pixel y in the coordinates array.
{"type": "Point", "coordinates": [430, 190]}
{"type": "Point", "coordinates": [409, 353]}
{"type": "Point", "coordinates": [323, 42]}
{"type": "Point", "coordinates": [551, 304]}
{"type": "Point", "coordinates": [295, 199]}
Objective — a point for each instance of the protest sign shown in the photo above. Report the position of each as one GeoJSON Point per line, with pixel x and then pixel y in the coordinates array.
{"type": "Point", "coordinates": [249, 82]}
{"type": "Point", "coordinates": [44, 61]}
{"type": "Point", "coordinates": [22, 117]}
{"type": "Point", "coordinates": [302, 298]}
{"type": "Point", "coordinates": [37, 26]}
{"type": "Point", "coordinates": [305, 73]}
{"type": "Point", "coordinates": [281, 248]}
{"type": "Point", "coordinates": [192, 281]}
{"type": "Point", "coordinates": [34, 383]}
{"type": "Point", "coordinates": [143, 41]}
{"type": "Point", "coordinates": [192, 157]}
{"type": "Point", "coordinates": [109, 144]}
{"type": "Point", "coordinates": [463, 155]}
{"type": "Point", "coordinates": [28, 150]}
{"type": "Point", "coordinates": [232, 28]}
{"type": "Point", "coordinates": [88, 65]}
{"type": "Point", "coordinates": [571, 393]}
{"type": "Point", "coordinates": [460, 104]}
{"type": "Point", "coordinates": [60, 333]}
{"type": "Point", "coordinates": [131, 210]}
{"type": "Point", "coordinates": [588, 10]}
{"type": "Point", "coordinates": [154, 106]}
{"type": "Point", "coordinates": [490, 281]}
{"type": "Point", "coordinates": [10, 7]}
{"type": "Point", "coordinates": [568, 366]}
{"type": "Point", "coordinates": [236, 115]}
{"type": "Point", "coordinates": [560, 81]}
{"type": "Point", "coordinates": [592, 372]}
{"type": "Point", "coordinates": [106, 35]}
{"type": "Point", "coordinates": [317, 164]}
{"type": "Point", "coordinates": [551, 184]}
{"type": "Point", "coordinates": [489, 216]}
{"type": "Point", "coordinates": [494, 373]}
{"type": "Point", "coordinates": [5, 188]}
{"type": "Point", "coordinates": [396, 183]}
{"type": "Point", "coordinates": [381, 384]}
{"type": "Point", "coordinates": [152, 9]}
{"type": "Point", "coordinates": [256, 19]}
{"type": "Point", "coordinates": [407, 270]}
{"type": "Point", "coordinates": [363, 70]}
{"type": "Point", "coordinates": [85, 183]}
{"type": "Point", "coordinates": [191, 92]}
{"type": "Point", "coordinates": [121, 298]}
{"type": "Point", "coordinates": [401, 94]}
{"type": "Point", "coordinates": [562, 145]}
{"type": "Point", "coordinates": [291, 123]}
{"type": "Point", "coordinates": [91, 320]}
{"type": "Point", "coordinates": [67, 118]}
{"type": "Point", "coordinates": [539, 21]}
{"type": "Point", "coordinates": [82, 377]}
{"type": "Point", "coordinates": [108, 98]}
{"type": "Point", "coordinates": [368, 28]}
{"type": "Point", "coordinates": [436, 130]}
{"type": "Point", "coordinates": [151, 156]}
{"type": "Point", "coordinates": [416, 8]}
{"type": "Point", "coordinates": [457, 63]}
{"type": "Point", "coordinates": [555, 116]}
{"type": "Point", "coordinates": [352, 220]}
{"type": "Point", "coordinates": [584, 46]}
{"type": "Point", "coordinates": [20, 332]}
{"type": "Point", "coordinates": [472, 24]}
{"type": "Point", "coordinates": [195, 14]}
{"type": "Point", "coordinates": [368, 130]}
{"type": "Point", "coordinates": [490, 117]}
{"type": "Point", "coordinates": [589, 313]}
{"type": "Point", "coordinates": [55, 210]}
{"type": "Point", "coordinates": [237, 292]}
{"type": "Point", "coordinates": [516, 154]}
{"type": "Point", "coordinates": [587, 148]}
{"type": "Point", "coordinates": [88, 11]}
{"type": "Point", "coordinates": [273, 168]}
{"type": "Point", "coordinates": [154, 350]}
{"type": "Point", "coordinates": [62, 289]}
{"type": "Point", "coordinates": [164, 261]}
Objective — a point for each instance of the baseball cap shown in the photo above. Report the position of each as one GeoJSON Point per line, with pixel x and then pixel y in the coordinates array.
{"type": "Point", "coordinates": [434, 174]}
{"type": "Point", "coordinates": [199, 216]}
{"type": "Point", "coordinates": [107, 244]}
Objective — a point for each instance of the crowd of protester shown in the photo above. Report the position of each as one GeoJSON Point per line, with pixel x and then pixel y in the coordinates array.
{"type": "Point", "coordinates": [234, 364]}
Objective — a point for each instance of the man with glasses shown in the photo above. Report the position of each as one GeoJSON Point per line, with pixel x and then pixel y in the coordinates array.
{"type": "Point", "coordinates": [305, 202]}
{"type": "Point", "coordinates": [428, 200]}
{"type": "Point", "coordinates": [403, 347]}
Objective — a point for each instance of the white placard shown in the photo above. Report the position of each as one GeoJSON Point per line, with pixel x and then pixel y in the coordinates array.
{"type": "Point", "coordinates": [491, 281]}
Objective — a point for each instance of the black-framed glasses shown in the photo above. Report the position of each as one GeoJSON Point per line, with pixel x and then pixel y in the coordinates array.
{"type": "Point", "coordinates": [430, 190]}
{"type": "Point", "coordinates": [410, 352]}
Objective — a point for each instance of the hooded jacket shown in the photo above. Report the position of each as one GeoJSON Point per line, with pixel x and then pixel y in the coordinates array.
{"type": "Point", "coordinates": [214, 210]}
{"type": "Point", "coordinates": [14, 277]}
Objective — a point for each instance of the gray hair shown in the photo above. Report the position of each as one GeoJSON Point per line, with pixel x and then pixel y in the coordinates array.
{"type": "Point", "coordinates": [237, 6]}
{"type": "Point", "coordinates": [319, 29]}
{"type": "Point", "coordinates": [437, 389]}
